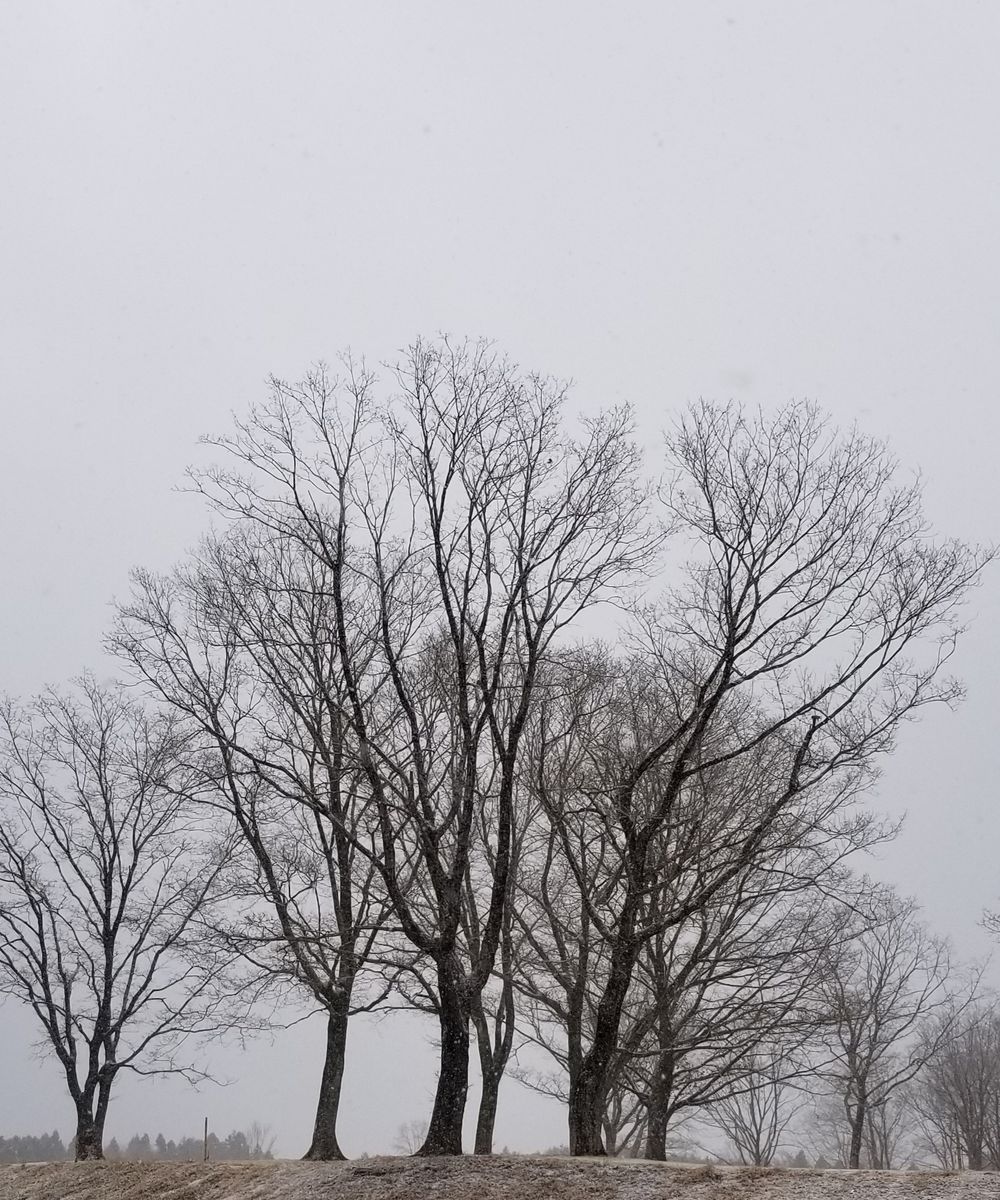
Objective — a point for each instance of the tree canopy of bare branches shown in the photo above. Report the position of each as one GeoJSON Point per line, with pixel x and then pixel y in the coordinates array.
{"type": "Point", "coordinates": [627, 853]}
{"type": "Point", "coordinates": [461, 528]}
{"type": "Point", "coordinates": [956, 1098]}
{"type": "Point", "coordinates": [891, 1004]}
{"type": "Point", "coordinates": [755, 1118]}
{"type": "Point", "coordinates": [104, 874]}
{"type": "Point", "coordinates": [814, 614]}
{"type": "Point", "coordinates": [238, 643]}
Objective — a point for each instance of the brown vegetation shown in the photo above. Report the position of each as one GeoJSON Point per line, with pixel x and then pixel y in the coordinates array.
{"type": "Point", "coordinates": [485, 1178]}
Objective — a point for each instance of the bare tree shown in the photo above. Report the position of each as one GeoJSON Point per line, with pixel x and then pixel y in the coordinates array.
{"type": "Point", "coordinates": [410, 1136]}
{"type": "Point", "coordinates": [718, 993]}
{"type": "Point", "coordinates": [956, 1097]}
{"type": "Point", "coordinates": [714, 977]}
{"type": "Point", "coordinates": [240, 643]}
{"type": "Point", "coordinates": [756, 1118]}
{"type": "Point", "coordinates": [625, 1122]}
{"type": "Point", "coordinates": [888, 1127]}
{"type": "Point", "coordinates": [816, 616]}
{"type": "Point", "coordinates": [260, 1140]}
{"type": "Point", "coordinates": [105, 868]}
{"type": "Point", "coordinates": [891, 1006]}
{"type": "Point", "coordinates": [887, 1133]}
{"type": "Point", "coordinates": [466, 528]}
{"type": "Point", "coordinates": [559, 955]}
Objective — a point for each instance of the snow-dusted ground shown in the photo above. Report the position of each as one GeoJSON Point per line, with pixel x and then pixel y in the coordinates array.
{"type": "Point", "coordinates": [474, 1179]}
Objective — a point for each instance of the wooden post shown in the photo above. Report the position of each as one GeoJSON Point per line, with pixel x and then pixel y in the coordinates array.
{"type": "Point", "coordinates": [205, 1159]}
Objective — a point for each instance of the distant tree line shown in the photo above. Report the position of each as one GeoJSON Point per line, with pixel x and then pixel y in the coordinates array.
{"type": "Point", "coordinates": [254, 1144]}
{"type": "Point", "coordinates": [44, 1147]}
{"type": "Point", "coordinates": [371, 754]}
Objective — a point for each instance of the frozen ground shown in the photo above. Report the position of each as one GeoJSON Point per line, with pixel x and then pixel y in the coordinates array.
{"type": "Point", "coordinates": [473, 1179]}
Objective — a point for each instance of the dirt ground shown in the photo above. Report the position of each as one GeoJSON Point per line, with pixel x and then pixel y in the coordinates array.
{"type": "Point", "coordinates": [474, 1179]}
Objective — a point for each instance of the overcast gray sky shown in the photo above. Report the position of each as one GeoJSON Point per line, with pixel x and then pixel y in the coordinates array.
{"type": "Point", "coordinates": [661, 200]}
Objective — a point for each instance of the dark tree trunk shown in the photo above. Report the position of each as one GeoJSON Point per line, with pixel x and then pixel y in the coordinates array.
{"type": "Point", "coordinates": [656, 1134]}
{"type": "Point", "coordinates": [487, 1111]}
{"type": "Point", "coordinates": [494, 1045]}
{"type": "Point", "coordinates": [574, 1052]}
{"type": "Point", "coordinates": [586, 1111]}
{"type": "Point", "coordinates": [89, 1133]}
{"type": "Point", "coordinates": [588, 1093]}
{"type": "Point", "coordinates": [658, 1112]}
{"type": "Point", "coordinates": [444, 1135]}
{"type": "Point", "coordinates": [857, 1133]}
{"type": "Point", "coordinates": [325, 1146]}
{"type": "Point", "coordinates": [91, 1110]}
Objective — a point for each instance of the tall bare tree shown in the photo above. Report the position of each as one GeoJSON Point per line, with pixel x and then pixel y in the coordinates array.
{"type": "Point", "coordinates": [816, 615]}
{"type": "Point", "coordinates": [240, 643]}
{"type": "Point", "coordinates": [105, 869]}
{"type": "Point", "coordinates": [466, 527]}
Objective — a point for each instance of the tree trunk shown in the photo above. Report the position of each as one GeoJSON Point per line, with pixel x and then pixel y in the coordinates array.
{"type": "Point", "coordinates": [586, 1110]}
{"type": "Point", "coordinates": [574, 1048]}
{"type": "Point", "coordinates": [658, 1112]}
{"type": "Point", "coordinates": [857, 1133]}
{"type": "Point", "coordinates": [589, 1092]}
{"type": "Point", "coordinates": [487, 1112]}
{"type": "Point", "coordinates": [325, 1146]}
{"type": "Point", "coordinates": [494, 1047]}
{"type": "Point", "coordinates": [444, 1135]}
{"type": "Point", "coordinates": [975, 1139]}
{"type": "Point", "coordinates": [89, 1134]}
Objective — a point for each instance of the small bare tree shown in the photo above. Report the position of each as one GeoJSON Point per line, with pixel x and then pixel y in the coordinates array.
{"type": "Point", "coordinates": [892, 1004]}
{"type": "Point", "coordinates": [260, 1140]}
{"type": "Point", "coordinates": [410, 1136]}
{"type": "Point", "coordinates": [887, 1131]}
{"type": "Point", "coordinates": [755, 1119]}
{"type": "Point", "coordinates": [716, 994]}
{"type": "Point", "coordinates": [956, 1097]}
{"type": "Point", "coordinates": [105, 868]}
{"type": "Point", "coordinates": [886, 1136]}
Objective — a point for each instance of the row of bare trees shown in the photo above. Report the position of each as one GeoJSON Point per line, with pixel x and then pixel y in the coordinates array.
{"type": "Point", "coordinates": [932, 1097]}
{"type": "Point", "coordinates": [385, 764]}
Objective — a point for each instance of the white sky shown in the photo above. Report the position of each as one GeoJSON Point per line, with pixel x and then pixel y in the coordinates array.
{"type": "Point", "coordinates": [660, 200]}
